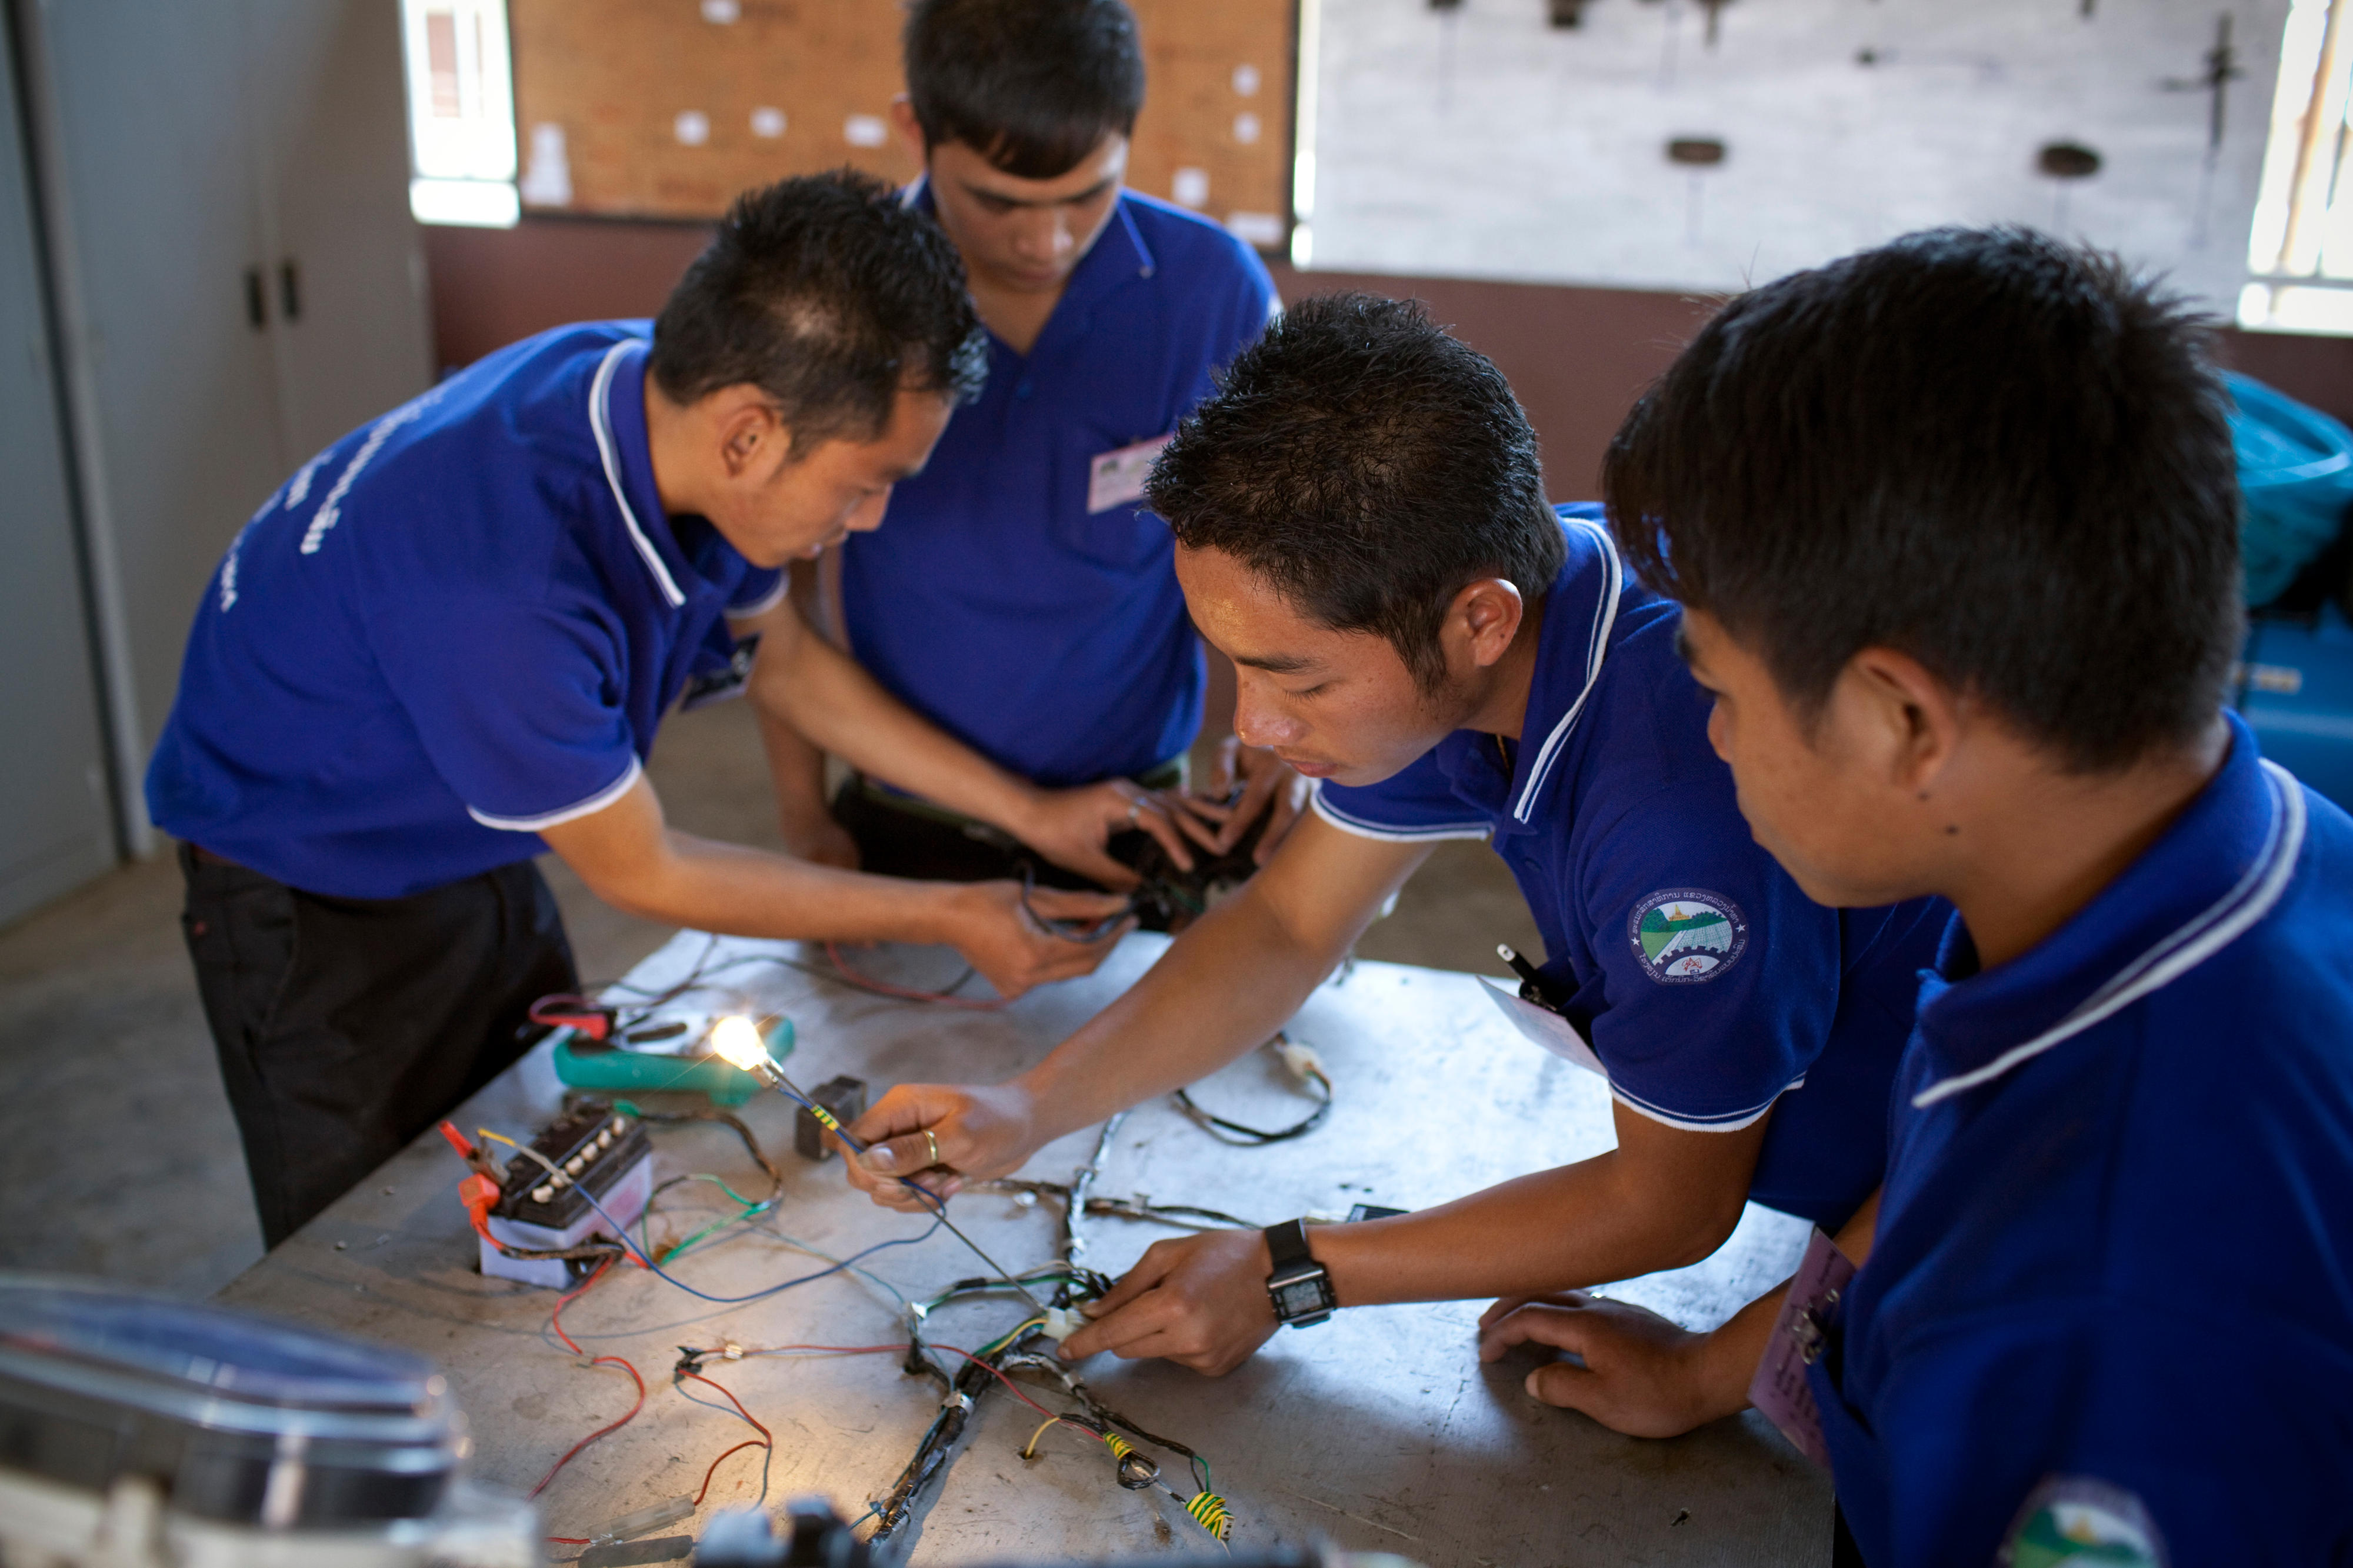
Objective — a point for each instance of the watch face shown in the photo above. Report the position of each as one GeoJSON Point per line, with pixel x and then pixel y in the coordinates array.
{"type": "Point", "coordinates": [1298, 1297]}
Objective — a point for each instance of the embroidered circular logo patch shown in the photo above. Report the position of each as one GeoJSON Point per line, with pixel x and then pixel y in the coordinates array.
{"type": "Point", "coordinates": [2076, 1521]}
{"type": "Point", "coordinates": [1687, 934]}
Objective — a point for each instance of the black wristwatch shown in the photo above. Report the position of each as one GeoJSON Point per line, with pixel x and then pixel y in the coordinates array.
{"type": "Point", "coordinates": [1299, 1288]}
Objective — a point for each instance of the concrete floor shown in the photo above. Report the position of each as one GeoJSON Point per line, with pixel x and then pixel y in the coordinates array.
{"type": "Point", "coordinates": [117, 1157]}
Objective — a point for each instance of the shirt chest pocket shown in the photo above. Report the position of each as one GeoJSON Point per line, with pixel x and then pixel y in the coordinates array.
{"type": "Point", "coordinates": [1099, 506]}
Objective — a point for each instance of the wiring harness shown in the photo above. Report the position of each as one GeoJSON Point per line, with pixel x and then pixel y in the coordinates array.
{"type": "Point", "coordinates": [991, 1365]}
{"type": "Point", "coordinates": [965, 1382]}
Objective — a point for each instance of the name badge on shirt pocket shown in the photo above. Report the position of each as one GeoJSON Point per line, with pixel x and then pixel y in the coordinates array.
{"type": "Point", "coordinates": [1544, 1027]}
{"type": "Point", "coordinates": [1779, 1388]}
{"type": "Point", "coordinates": [1116, 478]}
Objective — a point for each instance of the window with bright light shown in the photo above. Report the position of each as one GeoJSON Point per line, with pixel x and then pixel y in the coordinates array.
{"type": "Point", "coordinates": [461, 135]}
{"type": "Point", "coordinates": [2301, 251]}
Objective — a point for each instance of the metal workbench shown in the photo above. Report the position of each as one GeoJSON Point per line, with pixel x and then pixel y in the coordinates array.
{"type": "Point", "coordinates": [1380, 1430]}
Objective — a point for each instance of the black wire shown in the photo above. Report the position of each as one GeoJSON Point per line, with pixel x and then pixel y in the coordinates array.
{"type": "Point", "coordinates": [1243, 1137]}
{"type": "Point", "coordinates": [1086, 933]}
{"type": "Point", "coordinates": [751, 1144]}
{"type": "Point", "coordinates": [1132, 1208]}
{"type": "Point", "coordinates": [1105, 1415]}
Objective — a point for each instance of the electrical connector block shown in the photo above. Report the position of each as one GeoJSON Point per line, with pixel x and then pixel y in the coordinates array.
{"type": "Point", "coordinates": [1061, 1322]}
{"type": "Point", "coordinates": [1302, 1060]}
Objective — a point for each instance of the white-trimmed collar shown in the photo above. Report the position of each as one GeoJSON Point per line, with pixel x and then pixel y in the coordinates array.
{"type": "Point", "coordinates": [600, 420]}
{"type": "Point", "coordinates": [1597, 649]}
{"type": "Point", "coordinates": [2219, 925]}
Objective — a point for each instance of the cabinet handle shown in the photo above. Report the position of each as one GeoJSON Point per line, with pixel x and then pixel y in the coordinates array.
{"type": "Point", "coordinates": [257, 301]}
{"type": "Point", "coordinates": [289, 289]}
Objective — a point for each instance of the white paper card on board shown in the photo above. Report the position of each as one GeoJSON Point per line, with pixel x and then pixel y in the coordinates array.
{"type": "Point", "coordinates": [1546, 1027]}
{"type": "Point", "coordinates": [1116, 478]}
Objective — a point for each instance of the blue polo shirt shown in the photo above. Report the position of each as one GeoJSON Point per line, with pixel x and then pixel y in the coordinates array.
{"type": "Point", "coordinates": [457, 625]}
{"type": "Point", "coordinates": [1048, 636]}
{"type": "Point", "coordinates": [2113, 1281]}
{"type": "Point", "coordinates": [1711, 988]}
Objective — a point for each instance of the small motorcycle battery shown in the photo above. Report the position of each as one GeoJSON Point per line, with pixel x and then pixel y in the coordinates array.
{"type": "Point", "coordinates": [596, 1151]}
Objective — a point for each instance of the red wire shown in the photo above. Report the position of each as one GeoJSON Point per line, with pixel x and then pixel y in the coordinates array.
{"type": "Point", "coordinates": [766, 1439]}
{"type": "Point", "coordinates": [1008, 1381]}
{"type": "Point", "coordinates": [746, 1442]}
{"type": "Point", "coordinates": [884, 988]}
{"type": "Point", "coordinates": [830, 1350]}
{"type": "Point", "coordinates": [557, 1323]}
{"type": "Point", "coordinates": [698, 1377]}
{"type": "Point", "coordinates": [568, 1298]}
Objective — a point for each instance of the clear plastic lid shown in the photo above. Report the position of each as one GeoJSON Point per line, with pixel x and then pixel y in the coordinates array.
{"type": "Point", "coordinates": [97, 1380]}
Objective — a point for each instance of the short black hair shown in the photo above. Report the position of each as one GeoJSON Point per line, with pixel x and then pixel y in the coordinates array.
{"type": "Point", "coordinates": [830, 294]}
{"type": "Point", "coordinates": [1368, 466]}
{"type": "Point", "coordinates": [2004, 456]}
{"type": "Point", "coordinates": [1033, 86]}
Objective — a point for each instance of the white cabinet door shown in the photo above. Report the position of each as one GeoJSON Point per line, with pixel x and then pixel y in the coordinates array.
{"type": "Point", "coordinates": [226, 193]}
{"type": "Point", "coordinates": [350, 322]}
{"type": "Point", "coordinates": [153, 201]}
{"type": "Point", "coordinates": [55, 826]}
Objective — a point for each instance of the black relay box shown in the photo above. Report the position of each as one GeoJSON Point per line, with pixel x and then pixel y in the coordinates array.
{"type": "Point", "coordinates": [845, 1098]}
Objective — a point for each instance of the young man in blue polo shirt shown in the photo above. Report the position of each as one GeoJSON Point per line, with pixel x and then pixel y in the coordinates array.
{"type": "Point", "coordinates": [445, 644]}
{"type": "Point", "coordinates": [1956, 525]}
{"type": "Point", "coordinates": [1361, 527]}
{"type": "Point", "coordinates": [1022, 599]}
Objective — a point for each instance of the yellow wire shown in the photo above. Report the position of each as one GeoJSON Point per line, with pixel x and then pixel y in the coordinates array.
{"type": "Point", "coordinates": [1208, 1510]}
{"type": "Point", "coordinates": [1029, 1450]}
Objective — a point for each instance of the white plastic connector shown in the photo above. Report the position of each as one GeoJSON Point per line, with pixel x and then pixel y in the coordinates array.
{"type": "Point", "coordinates": [732, 1350]}
{"type": "Point", "coordinates": [1302, 1060]}
{"type": "Point", "coordinates": [1061, 1322]}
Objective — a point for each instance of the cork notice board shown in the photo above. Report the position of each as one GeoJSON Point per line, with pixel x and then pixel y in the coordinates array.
{"type": "Point", "coordinates": [668, 107]}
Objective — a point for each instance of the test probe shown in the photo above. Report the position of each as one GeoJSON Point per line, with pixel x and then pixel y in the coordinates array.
{"type": "Point", "coordinates": [738, 1038]}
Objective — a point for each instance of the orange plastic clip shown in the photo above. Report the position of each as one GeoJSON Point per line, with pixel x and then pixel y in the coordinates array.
{"type": "Point", "coordinates": [480, 1195]}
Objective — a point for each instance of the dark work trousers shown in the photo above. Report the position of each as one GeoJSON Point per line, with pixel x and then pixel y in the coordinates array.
{"type": "Point", "coordinates": [346, 1026]}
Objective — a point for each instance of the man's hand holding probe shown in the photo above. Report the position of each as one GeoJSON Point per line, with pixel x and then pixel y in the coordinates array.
{"type": "Point", "coordinates": [1226, 985]}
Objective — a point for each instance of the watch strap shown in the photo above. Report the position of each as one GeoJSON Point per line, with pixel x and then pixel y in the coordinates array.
{"type": "Point", "coordinates": [1286, 1246]}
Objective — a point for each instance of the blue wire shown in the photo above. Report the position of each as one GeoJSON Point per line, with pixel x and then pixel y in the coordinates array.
{"type": "Point", "coordinates": [699, 1318]}
{"type": "Point", "coordinates": [621, 1234]}
{"type": "Point", "coordinates": [679, 1389]}
{"type": "Point", "coordinates": [767, 1449]}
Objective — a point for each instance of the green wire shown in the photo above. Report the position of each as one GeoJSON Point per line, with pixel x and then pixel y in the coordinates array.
{"type": "Point", "coordinates": [732, 1193]}
{"type": "Point", "coordinates": [749, 1207]}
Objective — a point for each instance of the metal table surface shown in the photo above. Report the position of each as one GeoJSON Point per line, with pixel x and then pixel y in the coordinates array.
{"type": "Point", "coordinates": [1379, 1430]}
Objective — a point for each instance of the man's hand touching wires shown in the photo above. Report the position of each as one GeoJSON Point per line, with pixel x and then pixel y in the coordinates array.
{"type": "Point", "coordinates": [1244, 784]}
{"type": "Point", "coordinates": [1073, 827]}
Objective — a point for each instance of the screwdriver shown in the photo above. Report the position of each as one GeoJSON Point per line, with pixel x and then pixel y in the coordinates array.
{"type": "Point", "coordinates": [738, 1040]}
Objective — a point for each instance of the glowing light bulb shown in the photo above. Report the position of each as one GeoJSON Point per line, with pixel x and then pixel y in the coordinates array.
{"type": "Point", "coordinates": [738, 1038]}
